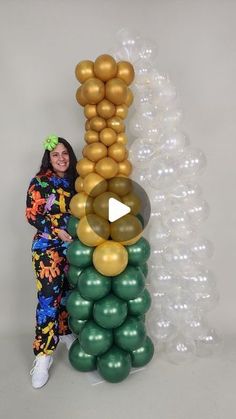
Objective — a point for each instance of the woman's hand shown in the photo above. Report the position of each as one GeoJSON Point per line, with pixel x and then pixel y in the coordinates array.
{"type": "Point", "coordinates": [63, 235]}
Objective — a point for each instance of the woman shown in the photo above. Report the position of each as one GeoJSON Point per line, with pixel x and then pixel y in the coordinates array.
{"type": "Point", "coordinates": [48, 198]}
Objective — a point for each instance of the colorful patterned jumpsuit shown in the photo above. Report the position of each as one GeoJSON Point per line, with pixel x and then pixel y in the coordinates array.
{"type": "Point", "coordinates": [48, 199]}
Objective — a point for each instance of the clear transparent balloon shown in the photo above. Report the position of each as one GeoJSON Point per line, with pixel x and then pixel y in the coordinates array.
{"type": "Point", "coordinates": [158, 234]}
{"type": "Point", "coordinates": [184, 192]}
{"type": "Point", "coordinates": [198, 210]}
{"type": "Point", "coordinates": [161, 328]}
{"type": "Point", "coordinates": [162, 172]}
{"type": "Point", "coordinates": [202, 248]}
{"type": "Point", "coordinates": [195, 326]}
{"type": "Point", "coordinates": [158, 198]}
{"type": "Point", "coordinates": [193, 277]}
{"type": "Point", "coordinates": [178, 256]}
{"type": "Point", "coordinates": [179, 223]}
{"type": "Point", "coordinates": [143, 73]}
{"type": "Point", "coordinates": [173, 142]}
{"type": "Point", "coordinates": [192, 163]}
{"type": "Point", "coordinates": [148, 50]}
{"type": "Point", "coordinates": [208, 343]}
{"type": "Point", "coordinates": [141, 151]}
{"type": "Point", "coordinates": [170, 117]}
{"type": "Point", "coordinates": [164, 93]}
{"type": "Point", "coordinates": [142, 94]}
{"type": "Point", "coordinates": [180, 349]}
{"type": "Point", "coordinates": [180, 305]}
{"type": "Point", "coordinates": [141, 176]}
{"type": "Point", "coordinates": [162, 279]}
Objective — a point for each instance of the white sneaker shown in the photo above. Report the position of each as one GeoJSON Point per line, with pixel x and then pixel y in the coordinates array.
{"type": "Point", "coordinates": [39, 372]}
{"type": "Point", "coordinates": [67, 340]}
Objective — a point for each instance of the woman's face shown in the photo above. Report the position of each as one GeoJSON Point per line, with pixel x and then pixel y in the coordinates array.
{"type": "Point", "coordinates": [59, 158]}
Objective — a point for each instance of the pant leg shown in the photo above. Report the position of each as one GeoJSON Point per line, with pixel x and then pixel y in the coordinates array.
{"type": "Point", "coordinates": [49, 267]}
{"type": "Point", "coordinates": [63, 313]}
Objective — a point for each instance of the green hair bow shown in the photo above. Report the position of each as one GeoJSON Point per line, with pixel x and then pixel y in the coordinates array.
{"type": "Point", "coordinates": [51, 142]}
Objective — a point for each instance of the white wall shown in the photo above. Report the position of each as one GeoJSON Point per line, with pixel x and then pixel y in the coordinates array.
{"type": "Point", "coordinates": [41, 42]}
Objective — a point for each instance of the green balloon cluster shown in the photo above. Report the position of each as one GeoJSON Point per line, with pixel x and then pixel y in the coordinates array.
{"type": "Point", "coordinates": [108, 313]}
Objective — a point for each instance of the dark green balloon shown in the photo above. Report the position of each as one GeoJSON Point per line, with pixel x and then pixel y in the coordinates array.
{"type": "Point", "coordinates": [73, 275]}
{"type": "Point", "coordinates": [93, 285]}
{"type": "Point", "coordinates": [140, 217]}
{"type": "Point", "coordinates": [71, 226]}
{"type": "Point", "coordinates": [140, 305]}
{"type": "Point", "coordinates": [144, 269]}
{"type": "Point", "coordinates": [94, 339]}
{"type": "Point", "coordinates": [138, 252]}
{"type": "Point", "coordinates": [76, 325]}
{"type": "Point", "coordinates": [130, 335]}
{"type": "Point", "coordinates": [79, 254]}
{"type": "Point", "coordinates": [110, 311]}
{"type": "Point", "coordinates": [129, 283]}
{"type": "Point", "coordinates": [141, 318]}
{"type": "Point", "coordinates": [80, 360]}
{"type": "Point", "coordinates": [114, 366]}
{"type": "Point", "coordinates": [78, 307]}
{"type": "Point", "coordinates": [143, 354]}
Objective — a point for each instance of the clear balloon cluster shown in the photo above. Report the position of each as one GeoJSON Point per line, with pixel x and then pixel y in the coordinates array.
{"type": "Point", "coordinates": [167, 166]}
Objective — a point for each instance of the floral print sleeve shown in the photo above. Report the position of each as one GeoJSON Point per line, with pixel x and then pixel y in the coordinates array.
{"type": "Point", "coordinates": [36, 207]}
{"type": "Point", "coordinates": [47, 207]}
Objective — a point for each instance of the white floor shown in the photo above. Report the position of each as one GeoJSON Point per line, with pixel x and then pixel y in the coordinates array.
{"type": "Point", "coordinates": [204, 389]}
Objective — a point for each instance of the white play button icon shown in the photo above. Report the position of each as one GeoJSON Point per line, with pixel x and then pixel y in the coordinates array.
{"type": "Point", "coordinates": [116, 209]}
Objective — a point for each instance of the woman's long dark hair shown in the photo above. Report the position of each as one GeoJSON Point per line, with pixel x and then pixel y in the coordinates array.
{"type": "Point", "coordinates": [46, 164]}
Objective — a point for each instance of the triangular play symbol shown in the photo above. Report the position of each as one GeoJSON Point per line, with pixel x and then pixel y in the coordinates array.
{"type": "Point", "coordinates": [116, 209]}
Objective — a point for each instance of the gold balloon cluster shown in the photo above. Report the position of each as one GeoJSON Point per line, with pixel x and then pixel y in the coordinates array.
{"type": "Point", "coordinates": [104, 169]}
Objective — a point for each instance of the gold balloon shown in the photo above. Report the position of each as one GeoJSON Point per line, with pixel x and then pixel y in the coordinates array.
{"type": "Point", "coordinates": [91, 136]}
{"type": "Point", "coordinates": [110, 258]}
{"type": "Point", "coordinates": [81, 204]}
{"type": "Point", "coordinates": [125, 71]}
{"type": "Point", "coordinates": [116, 91]}
{"type": "Point", "coordinates": [93, 230]}
{"type": "Point", "coordinates": [84, 70]}
{"type": "Point", "coordinates": [105, 67]}
{"type": "Point", "coordinates": [126, 154]}
{"type": "Point", "coordinates": [95, 184]}
{"type": "Point", "coordinates": [122, 138]}
{"type": "Point", "coordinates": [84, 151]}
{"type": "Point", "coordinates": [87, 125]}
{"type": "Point", "coordinates": [95, 151]}
{"type": "Point", "coordinates": [108, 136]}
{"type": "Point", "coordinates": [93, 90]}
{"type": "Point", "coordinates": [131, 241]}
{"type": "Point", "coordinates": [97, 123]}
{"type": "Point", "coordinates": [106, 109]}
{"type": "Point", "coordinates": [116, 123]}
{"type": "Point", "coordinates": [79, 184]}
{"type": "Point", "coordinates": [117, 152]}
{"type": "Point", "coordinates": [124, 168]}
{"type": "Point", "coordinates": [101, 203]}
{"type": "Point", "coordinates": [84, 167]}
{"type": "Point", "coordinates": [125, 228]}
{"type": "Point", "coordinates": [133, 201]}
{"type": "Point", "coordinates": [129, 97]}
{"type": "Point", "coordinates": [106, 167]}
{"type": "Point", "coordinates": [122, 111]}
{"type": "Point", "coordinates": [81, 99]}
{"type": "Point", "coordinates": [90, 111]}
{"type": "Point", "coordinates": [120, 185]}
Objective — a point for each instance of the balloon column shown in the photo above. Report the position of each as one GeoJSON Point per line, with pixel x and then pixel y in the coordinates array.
{"type": "Point", "coordinates": [107, 260]}
{"type": "Point", "coordinates": [167, 166]}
